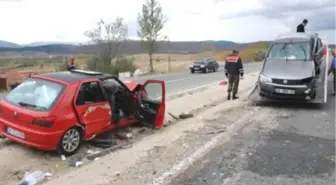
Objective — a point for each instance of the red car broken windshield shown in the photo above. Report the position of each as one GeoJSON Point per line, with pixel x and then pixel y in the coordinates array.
{"type": "Point", "coordinates": [37, 94]}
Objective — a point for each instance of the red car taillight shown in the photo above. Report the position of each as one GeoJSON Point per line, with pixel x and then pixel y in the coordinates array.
{"type": "Point", "coordinates": [44, 121]}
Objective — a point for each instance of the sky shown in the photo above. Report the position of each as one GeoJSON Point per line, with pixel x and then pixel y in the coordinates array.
{"type": "Point", "coordinates": [26, 21]}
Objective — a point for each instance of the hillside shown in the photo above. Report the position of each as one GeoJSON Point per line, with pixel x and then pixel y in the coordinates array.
{"type": "Point", "coordinates": [8, 44]}
{"type": "Point", "coordinates": [130, 47]}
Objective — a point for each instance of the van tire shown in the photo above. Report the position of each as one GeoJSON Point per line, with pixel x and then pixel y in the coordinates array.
{"type": "Point", "coordinates": [73, 135]}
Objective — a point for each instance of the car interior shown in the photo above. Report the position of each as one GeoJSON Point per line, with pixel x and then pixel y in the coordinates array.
{"type": "Point", "coordinates": [120, 100]}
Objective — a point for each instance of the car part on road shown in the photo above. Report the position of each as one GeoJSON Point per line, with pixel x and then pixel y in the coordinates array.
{"type": "Point", "coordinates": [109, 150]}
{"type": "Point", "coordinates": [186, 115]}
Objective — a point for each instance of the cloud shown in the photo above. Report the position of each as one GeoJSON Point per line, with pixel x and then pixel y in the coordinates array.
{"type": "Point", "coordinates": [25, 21]}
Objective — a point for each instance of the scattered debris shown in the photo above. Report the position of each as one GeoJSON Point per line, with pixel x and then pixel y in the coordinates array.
{"type": "Point", "coordinates": [217, 132]}
{"type": "Point", "coordinates": [75, 161]}
{"type": "Point", "coordinates": [63, 157]}
{"type": "Point", "coordinates": [109, 150]}
{"type": "Point", "coordinates": [173, 116]}
{"type": "Point", "coordinates": [103, 142]}
{"type": "Point", "coordinates": [186, 115]}
{"type": "Point", "coordinates": [33, 178]}
{"type": "Point", "coordinates": [90, 152]}
{"type": "Point", "coordinates": [124, 135]}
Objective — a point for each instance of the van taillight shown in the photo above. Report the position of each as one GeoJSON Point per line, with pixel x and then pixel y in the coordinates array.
{"type": "Point", "coordinates": [44, 121]}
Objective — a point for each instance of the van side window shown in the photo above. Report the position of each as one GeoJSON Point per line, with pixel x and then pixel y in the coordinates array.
{"type": "Point", "coordinates": [90, 92]}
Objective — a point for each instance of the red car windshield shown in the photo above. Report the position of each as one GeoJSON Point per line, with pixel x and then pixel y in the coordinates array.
{"type": "Point", "coordinates": [37, 94]}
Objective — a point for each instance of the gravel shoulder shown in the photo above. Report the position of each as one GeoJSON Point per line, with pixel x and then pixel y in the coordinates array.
{"type": "Point", "coordinates": [158, 151]}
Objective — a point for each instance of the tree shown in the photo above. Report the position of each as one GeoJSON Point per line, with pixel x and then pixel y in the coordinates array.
{"type": "Point", "coordinates": [109, 37]}
{"type": "Point", "coordinates": [150, 21]}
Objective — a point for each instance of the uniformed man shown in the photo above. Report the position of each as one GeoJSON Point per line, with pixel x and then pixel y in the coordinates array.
{"type": "Point", "coordinates": [71, 64]}
{"type": "Point", "coordinates": [233, 68]}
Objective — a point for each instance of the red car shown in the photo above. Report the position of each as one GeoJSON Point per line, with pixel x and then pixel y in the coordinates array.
{"type": "Point", "coordinates": [57, 111]}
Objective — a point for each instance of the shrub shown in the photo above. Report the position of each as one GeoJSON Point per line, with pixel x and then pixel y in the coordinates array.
{"type": "Point", "coordinates": [120, 64]}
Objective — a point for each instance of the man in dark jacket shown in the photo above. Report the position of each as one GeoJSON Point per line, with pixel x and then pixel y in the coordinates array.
{"type": "Point", "coordinates": [233, 68]}
{"type": "Point", "coordinates": [301, 27]}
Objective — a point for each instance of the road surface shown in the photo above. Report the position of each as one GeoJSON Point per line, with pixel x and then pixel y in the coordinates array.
{"type": "Point", "coordinates": [299, 150]}
{"type": "Point", "coordinates": [179, 82]}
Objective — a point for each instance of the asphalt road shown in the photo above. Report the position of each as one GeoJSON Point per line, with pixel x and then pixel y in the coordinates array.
{"type": "Point", "coordinates": [179, 82]}
{"type": "Point", "coordinates": [299, 150]}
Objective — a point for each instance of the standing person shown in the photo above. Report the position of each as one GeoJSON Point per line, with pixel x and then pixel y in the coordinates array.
{"type": "Point", "coordinates": [333, 70]}
{"type": "Point", "coordinates": [233, 68]}
{"type": "Point", "coordinates": [301, 27]}
{"type": "Point", "coordinates": [71, 64]}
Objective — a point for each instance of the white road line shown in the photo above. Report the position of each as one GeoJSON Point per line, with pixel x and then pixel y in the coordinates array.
{"type": "Point", "coordinates": [193, 77]}
{"type": "Point", "coordinates": [193, 89]}
{"type": "Point", "coordinates": [186, 162]}
{"type": "Point", "coordinates": [190, 90]}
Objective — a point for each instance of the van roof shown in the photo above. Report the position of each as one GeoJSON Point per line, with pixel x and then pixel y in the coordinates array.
{"type": "Point", "coordinates": [295, 37]}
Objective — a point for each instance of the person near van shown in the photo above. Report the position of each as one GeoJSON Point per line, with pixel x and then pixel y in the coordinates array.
{"type": "Point", "coordinates": [301, 27]}
{"type": "Point", "coordinates": [332, 69]}
{"type": "Point", "coordinates": [233, 68]}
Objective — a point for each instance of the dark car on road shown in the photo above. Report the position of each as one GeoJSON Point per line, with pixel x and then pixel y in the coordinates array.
{"type": "Point", "coordinates": [204, 65]}
{"type": "Point", "coordinates": [293, 68]}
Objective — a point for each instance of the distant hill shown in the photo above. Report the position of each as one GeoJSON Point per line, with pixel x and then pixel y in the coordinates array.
{"type": "Point", "coordinates": [45, 49]}
{"type": "Point", "coordinates": [8, 44]}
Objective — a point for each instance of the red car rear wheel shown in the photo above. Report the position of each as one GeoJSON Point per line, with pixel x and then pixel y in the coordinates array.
{"type": "Point", "coordinates": [70, 141]}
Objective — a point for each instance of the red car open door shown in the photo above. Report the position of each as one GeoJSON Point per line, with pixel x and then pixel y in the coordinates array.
{"type": "Point", "coordinates": [151, 108]}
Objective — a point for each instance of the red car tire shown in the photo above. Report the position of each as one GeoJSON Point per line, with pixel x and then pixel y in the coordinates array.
{"type": "Point", "coordinates": [71, 141]}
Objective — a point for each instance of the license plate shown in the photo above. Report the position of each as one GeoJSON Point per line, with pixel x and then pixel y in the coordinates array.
{"type": "Point", "coordinates": [15, 133]}
{"type": "Point", "coordinates": [285, 91]}
{"type": "Point", "coordinates": [196, 68]}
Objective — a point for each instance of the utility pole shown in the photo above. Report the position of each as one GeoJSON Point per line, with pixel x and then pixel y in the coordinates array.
{"type": "Point", "coordinates": [169, 65]}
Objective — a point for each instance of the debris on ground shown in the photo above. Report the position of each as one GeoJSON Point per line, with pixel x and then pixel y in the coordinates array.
{"type": "Point", "coordinates": [186, 115]}
{"type": "Point", "coordinates": [124, 135]}
{"type": "Point", "coordinates": [217, 132]}
{"type": "Point", "coordinates": [63, 157]}
{"type": "Point", "coordinates": [173, 116]}
{"type": "Point", "coordinates": [75, 161]}
{"type": "Point", "coordinates": [109, 150]}
{"type": "Point", "coordinates": [33, 178]}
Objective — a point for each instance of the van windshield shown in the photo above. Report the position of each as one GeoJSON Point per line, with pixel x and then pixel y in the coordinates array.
{"type": "Point", "coordinates": [35, 94]}
{"type": "Point", "coordinates": [290, 51]}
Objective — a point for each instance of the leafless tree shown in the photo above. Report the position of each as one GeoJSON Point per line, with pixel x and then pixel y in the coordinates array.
{"type": "Point", "coordinates": [151, 22]}
{"type": "Point", "coordinates": [109, 36]}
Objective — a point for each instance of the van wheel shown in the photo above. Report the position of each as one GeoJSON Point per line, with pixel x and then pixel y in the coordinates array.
{"type": "Point", "coordinates": [70, 141]}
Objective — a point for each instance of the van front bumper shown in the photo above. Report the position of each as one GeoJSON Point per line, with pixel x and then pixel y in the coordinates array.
{"type": "Point", "coordinates": [301, 92]}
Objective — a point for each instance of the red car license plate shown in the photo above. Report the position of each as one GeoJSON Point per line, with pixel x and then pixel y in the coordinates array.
{"type": "Point", "coordinates": [15, 133]}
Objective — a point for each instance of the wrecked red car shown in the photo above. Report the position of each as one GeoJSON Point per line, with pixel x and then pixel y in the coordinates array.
{"type": "Point", "coordinates": [60, 110]}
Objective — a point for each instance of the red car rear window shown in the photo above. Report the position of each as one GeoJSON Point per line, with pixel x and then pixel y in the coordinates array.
{"type": "Point", "coordinates": [37, 94]}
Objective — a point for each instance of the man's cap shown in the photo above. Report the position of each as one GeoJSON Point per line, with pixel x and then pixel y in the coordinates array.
{"type": "Point", "coordinates": [235, 52]}
{"type": "Point", "coordinates": [305, 21]}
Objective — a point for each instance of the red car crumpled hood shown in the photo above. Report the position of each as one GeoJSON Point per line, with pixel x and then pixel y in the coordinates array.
{"type": "Point", "coordinates": [130, 84]}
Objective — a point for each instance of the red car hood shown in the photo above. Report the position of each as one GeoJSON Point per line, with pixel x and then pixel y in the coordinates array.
{"type": "Point", "coordinates": [130, 84]}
